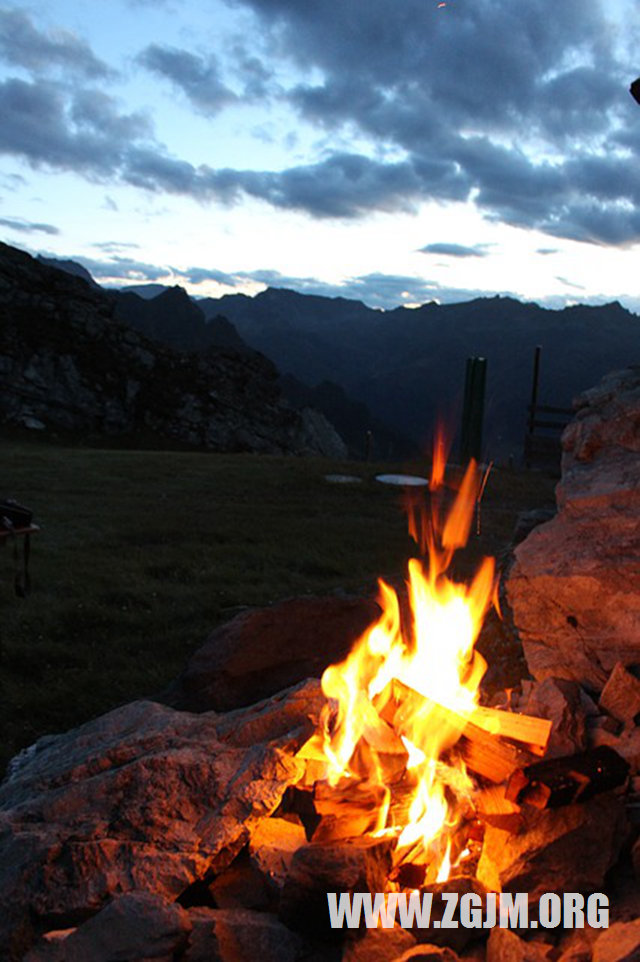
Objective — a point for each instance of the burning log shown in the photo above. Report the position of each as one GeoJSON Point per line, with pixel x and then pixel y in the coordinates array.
{"type": "Point", "coordinates": [563, 781]}
{"type": "Point", "coordinates": [495, 809]}
{"type": "Point", "coordinates": [484, 753]}
{"type": "Point", "coordinates": [533, 732]}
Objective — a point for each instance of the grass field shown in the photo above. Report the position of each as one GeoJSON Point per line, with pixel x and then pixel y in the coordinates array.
{"type": "Point", "coordinates": [142, 553]}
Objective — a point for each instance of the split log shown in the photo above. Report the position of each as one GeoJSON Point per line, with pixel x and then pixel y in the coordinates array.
{"type": "Point", "coordinates": [534, 732]}
{"type": "Point", "coordinates": [562, 781]}
{"type": "Point", "coordinates": [495, 809]}
{"type": "Point", "coordinates": [488, 755]}
{"type": "Point", "coordinates": [379, 750]}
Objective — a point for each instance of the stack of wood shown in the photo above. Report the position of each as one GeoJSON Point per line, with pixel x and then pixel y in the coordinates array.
{"type": "Point", "coordinates": [503, 750]}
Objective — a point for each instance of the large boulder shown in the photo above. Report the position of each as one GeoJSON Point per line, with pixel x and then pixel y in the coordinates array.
{"type": "Point", "coordinates": [143, 799]}
{"type": "Point", "coordinates": [574, 588]}
{"type": "Point", "coordinates": [264, 650]}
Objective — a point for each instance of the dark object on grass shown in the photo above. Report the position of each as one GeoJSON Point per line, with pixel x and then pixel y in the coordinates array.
{"type": "Point", "coordinates": [634, 90]}
{"type": "Point", "coordinates": [15, 519]}
{"type": "Point", "coordinates": [14, 515]}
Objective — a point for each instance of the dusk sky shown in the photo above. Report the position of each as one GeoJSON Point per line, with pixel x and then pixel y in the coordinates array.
{"type": "Point", "coordinates": [396, 151]}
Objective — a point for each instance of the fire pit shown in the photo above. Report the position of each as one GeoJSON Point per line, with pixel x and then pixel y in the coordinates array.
{"type": "Point", "coordinates": [388, 813]}
{"type": "Point", "coordinates": [402, 736]}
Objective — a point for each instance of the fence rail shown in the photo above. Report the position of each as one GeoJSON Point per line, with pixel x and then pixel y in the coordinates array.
{"type": "Point", "coordinates": [543, 449]}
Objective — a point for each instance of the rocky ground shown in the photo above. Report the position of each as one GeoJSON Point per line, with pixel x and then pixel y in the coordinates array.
{"type": "Point", "coordinates": [160, 831]}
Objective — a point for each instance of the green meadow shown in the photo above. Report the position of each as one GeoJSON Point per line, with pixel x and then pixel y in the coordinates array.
{"type": "Point", "coordinates": [142, 553]}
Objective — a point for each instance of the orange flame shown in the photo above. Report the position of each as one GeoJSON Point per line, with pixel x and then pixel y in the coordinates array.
{"type": "Point", "coordinates": [386, 699]}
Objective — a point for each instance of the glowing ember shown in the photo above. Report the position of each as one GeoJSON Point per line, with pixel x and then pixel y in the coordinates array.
{"type": "Point", "coordinates": [383, 758]}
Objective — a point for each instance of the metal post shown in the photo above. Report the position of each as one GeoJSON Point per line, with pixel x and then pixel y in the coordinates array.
{"type": "Point", "coordinates": [528, 441]}
{"type": "Point", "coordinates": [473, 409]}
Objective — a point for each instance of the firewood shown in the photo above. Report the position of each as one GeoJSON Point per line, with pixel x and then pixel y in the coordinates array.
{"type": "Point", "coordinates": [491, 756]}
{"type": "Point", "coordinates": [532, 731]}
{"type": "Point", "coordinates": [573, 778]}
{"type": "Point", "coordinates": [494, 808]}
{"type": "Point", "coordinates": [488, 755]}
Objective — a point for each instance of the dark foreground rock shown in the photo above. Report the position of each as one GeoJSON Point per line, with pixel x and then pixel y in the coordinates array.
{"type": "Point", "coordinates": [138, 925]}
{"type": "Point", "coordinates": [574, 589]}
{"type": "Point", "coordinates": [265, 650]}
{"type": "Point", "coordinates": [568, 849]}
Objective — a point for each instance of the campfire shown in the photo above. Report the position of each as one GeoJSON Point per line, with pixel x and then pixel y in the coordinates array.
{"type": "Point", "coordinates": [403, 749]}
{"type": "Point", "coordinates": [255, 806]}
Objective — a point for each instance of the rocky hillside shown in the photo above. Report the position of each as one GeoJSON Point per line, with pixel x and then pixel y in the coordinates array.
{"type": "Point", "coordinates": [173, 318]}
{"type": "Point", "coordinates": [66, 363]}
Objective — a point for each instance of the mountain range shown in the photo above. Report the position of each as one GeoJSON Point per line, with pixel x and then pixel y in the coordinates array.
{"type": "Point", "coordinates": [396, 372]}
{"type": "Point", "coordinates": [407, 366]}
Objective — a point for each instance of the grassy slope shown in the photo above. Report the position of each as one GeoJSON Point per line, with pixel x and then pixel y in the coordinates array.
{"type": "Point", "coordinates": [141, 553]}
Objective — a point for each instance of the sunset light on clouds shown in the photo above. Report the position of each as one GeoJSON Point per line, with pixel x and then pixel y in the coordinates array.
{"type": "Point", "coordinates": [395, 152]}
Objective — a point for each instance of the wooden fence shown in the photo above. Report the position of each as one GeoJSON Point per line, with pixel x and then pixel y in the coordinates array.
{"type": "Point", "coordinates": [545, 425]}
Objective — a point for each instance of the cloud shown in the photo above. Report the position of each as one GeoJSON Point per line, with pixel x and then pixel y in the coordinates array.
{"type": "Point", "coordinates": [197, 77]}
{"type": "Point", "coordinates": [538, 132]}
{"type": "Point", "coordinates": [23, 45]}
{"type": "Point", "coordinates": [125, 270]}
{"type": "Point", "coordinates": [455, 250]}
{"type": "Point", "coordinates": [27, 226]}
{"type": "Point", "coordinates": [66, 131]}
{"type": "Point", "coordinates": [112, 247]}
{"type": "Point", "coordinates": [344, 185]}
{"type": "Point", "coordinates": [521, 123]}
{"type": "Point", "coordinates": [567, 283]}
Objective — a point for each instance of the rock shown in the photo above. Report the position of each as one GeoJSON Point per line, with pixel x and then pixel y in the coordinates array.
{"type": "Point", "coordinates": [242, 886]}
{"type": "Point", "coordinates": [378, 945]}
{"type": "Point", "coordinates": [428, 953]}
{"type": "Point", "coordinates": [565, 849]}
{"type": "Point", "coordinates": [70, 364]}
{"type": "Point", "coordinates": [528, 520]}
{"type": "Point", "coordinates": [621, 695]}
{"type": "Point", "coordinates": [576, 947]}
{"type": "Point", "coordinates": [292, 711]}
{"type": "Point", "coordinates": [354, 865]}
{"type": "Point", "coordinates": [263, 651]}
{"type": "Point", "coordinates": [320, 437]}
{"type": "Point", "coordinates": [238, 935]}
{"type": "Point", "coordinates": [272, 845]}
{"type": "Point", "coordinates": [138, 927]}
{"type": "Point", "coordinates": [506, 946]}
{"type": "Point", "coordinates": [50, 948]}
{"type": "Point", "coordinates": [457, 937]}
{"type": "Point", "coordinates": [636, 859]}
{"type": "Point", "coordinates": [566, 705]}
{"type": "Point", "coordinates": [626, 744]}
{"type": "Point", "coordinates": [143, 798]}
{"type": "Point", "coordinates": [619, 943]}
{"type": "Point", "coordinates": [574, 589]}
